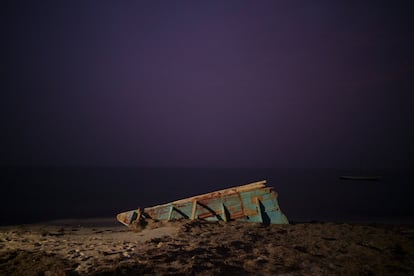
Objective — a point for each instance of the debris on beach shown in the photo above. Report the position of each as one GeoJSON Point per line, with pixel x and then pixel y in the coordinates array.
{"type": "Point", "coordinates": [254, 202]}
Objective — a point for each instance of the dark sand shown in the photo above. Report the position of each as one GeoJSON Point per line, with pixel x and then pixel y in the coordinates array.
{"type": "Point", "coordinates": [103, 247]}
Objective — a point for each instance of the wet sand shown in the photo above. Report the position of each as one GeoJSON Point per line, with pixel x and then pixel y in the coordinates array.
{"type": "Point", "coordinates": [104, 247]}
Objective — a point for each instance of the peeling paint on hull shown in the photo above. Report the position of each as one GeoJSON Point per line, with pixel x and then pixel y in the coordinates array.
{"type": "Point", "coordinates": [251, 203]}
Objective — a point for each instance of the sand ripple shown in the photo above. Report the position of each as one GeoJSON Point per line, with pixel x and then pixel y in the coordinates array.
{"type": "Point", "coordinates": [202, 248]}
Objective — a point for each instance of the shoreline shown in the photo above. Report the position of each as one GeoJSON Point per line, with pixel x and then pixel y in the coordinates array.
{"type": "Point", "coordinates": [96, 247]}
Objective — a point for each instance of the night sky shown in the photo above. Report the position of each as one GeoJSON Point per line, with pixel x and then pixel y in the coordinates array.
{"type": "Point", "coordinates": [207, 83]}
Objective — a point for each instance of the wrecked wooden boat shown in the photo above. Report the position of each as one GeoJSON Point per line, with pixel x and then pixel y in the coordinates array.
{"type": "Point", "coordinates": [253, 202]}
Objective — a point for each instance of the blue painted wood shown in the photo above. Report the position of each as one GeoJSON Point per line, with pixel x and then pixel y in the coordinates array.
{"type": "Point", "coordinates": [255, 205]}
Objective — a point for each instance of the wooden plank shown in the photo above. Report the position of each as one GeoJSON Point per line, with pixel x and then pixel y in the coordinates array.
{"type": "Point", "coordinates": [170, 212]}
{"type": "Point", "coordinates": [223, 212]}
{"type": "Point", "coordinates": [234, 190]}
{"type": "Point", "coordinates": [193, 212]}
{"type": "Point", "coordinates": [259, 209]}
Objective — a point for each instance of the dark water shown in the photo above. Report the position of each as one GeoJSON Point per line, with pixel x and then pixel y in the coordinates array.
{"type": "Point", "coordinates": [45, 193]}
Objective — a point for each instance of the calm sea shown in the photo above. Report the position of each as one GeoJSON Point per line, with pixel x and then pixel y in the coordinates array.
{"type": "Point", "coordinates": [35, 194]}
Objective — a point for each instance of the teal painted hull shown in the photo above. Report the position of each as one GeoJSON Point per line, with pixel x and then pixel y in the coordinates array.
{"type": "Point", "coordinates": [250, 203]}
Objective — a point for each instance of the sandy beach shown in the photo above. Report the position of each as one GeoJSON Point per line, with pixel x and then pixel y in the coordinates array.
{"type": "Point", "coordinates": [104, 247]}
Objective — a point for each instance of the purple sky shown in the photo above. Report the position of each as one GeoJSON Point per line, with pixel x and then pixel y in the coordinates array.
{"type": "Point", "coordinates": [207, 84]}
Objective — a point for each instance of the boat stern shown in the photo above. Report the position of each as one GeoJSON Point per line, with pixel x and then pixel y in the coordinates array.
{"type": "Point", "coordinates": [127, 218]}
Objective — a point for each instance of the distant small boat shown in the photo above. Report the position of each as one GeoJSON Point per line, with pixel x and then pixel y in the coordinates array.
{"type": "Point", "coordinates": [251, 203]}
{"type": "Point", "coordinates": [367, 178]}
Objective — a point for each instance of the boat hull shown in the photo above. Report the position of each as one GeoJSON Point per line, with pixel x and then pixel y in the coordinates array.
{"type": "Point", "coordinates": [251, 203]}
